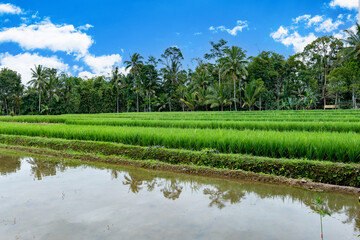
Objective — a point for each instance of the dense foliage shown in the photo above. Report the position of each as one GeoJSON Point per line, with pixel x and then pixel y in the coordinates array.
{"type": "Point", "coordinates": [327, 72]}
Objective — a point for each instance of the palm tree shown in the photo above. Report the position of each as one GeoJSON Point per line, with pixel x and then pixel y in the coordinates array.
{"type": "Point", "coordinates": [52, 85]}
{"type": "Point", "coordinates": [234, 65]}
{"type": "Point", "coordinates": [135, 64]}
{"type": "Point", "coordinates": [38, 80]}
{"type": "Point", "coordinates": [116, 78]}
{"type": "Point", "coordinates": [353, 40]}
{"type": "Point", "coordinates": [191, 100]}
{"type": "Point", "coordinates": [217, 97]}
{"type": "Point", "coordinates": [162, 101]}
{"type": "Point", "coordinates": [252, 91]}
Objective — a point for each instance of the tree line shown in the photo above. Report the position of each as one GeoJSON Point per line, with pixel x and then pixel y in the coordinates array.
{"type": "Point", "coordinates": [326, 72]}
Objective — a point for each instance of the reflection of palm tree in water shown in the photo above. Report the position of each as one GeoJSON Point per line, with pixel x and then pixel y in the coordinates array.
{"type": "Point", "coordinates": [220, 196]}
{"type": "Point", "coordinates": [114, 174]}
{"type": "Point", "coordinates": [41, 168]}
{"type": "Point", "coordinates": [134, 182]}
{"type": "Point", "coordinates": [9, 164]}
{"type": "Point", "coordinates": [173, 190]}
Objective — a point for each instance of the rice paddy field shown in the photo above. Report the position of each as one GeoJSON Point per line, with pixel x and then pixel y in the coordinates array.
{"type": "Point", "coordinates": [331, 137]}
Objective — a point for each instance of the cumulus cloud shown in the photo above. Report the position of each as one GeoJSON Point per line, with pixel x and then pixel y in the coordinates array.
{"type": "Point", "coordinates": [101, 65]}
{"type": "Point", "coordinates": [240, 25]}
{"type": "Point", "coordinates": [46, 35]}
{"type": "Point", "coordinates": [322, 24]}
{"type": "Point", "coordinates": [294, 36]}
{"type": "Point", "coordinates": [315, 20]}
{"type": "Point", "coordinates": [349, 4]}
{"type": "Point", "coordinates": [22, 63]}
{"type": "Point", "coordinates": [7, 8]}
{"type": "Point", "coordinates": [294, 39]}
{"type": "Point", "coordinates": [302, 18]}
{"type": "Point", "coordinates": [329, 26]}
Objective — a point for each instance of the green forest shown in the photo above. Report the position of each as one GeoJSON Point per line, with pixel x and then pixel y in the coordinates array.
{"type": "Point", "coordinates": [325, 74]}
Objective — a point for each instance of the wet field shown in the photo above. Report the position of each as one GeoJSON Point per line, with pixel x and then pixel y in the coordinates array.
{"type": "Point", "coordinates": [47, 199]}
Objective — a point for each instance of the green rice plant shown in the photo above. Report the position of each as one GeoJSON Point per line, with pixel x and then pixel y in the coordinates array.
{"type": "Point", "coordinates": [239, 125]}
{"type": "Point", "coordinates": [332, 146]}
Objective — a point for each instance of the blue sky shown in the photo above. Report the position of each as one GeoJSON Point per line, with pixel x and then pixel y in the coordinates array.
{"type": "Point", "coordinates": [87, 38]}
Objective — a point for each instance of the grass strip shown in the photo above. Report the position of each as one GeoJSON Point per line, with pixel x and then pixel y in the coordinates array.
{"type": "Point", "coordinates": [318, 171]}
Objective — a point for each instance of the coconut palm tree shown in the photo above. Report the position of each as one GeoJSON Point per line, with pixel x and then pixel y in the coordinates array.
{"type": "Point", "coordinates": [116, 79]}
{"type": "Point", "coordinates": [52, 86]}
{"type": "Point", "coordinates": [217, 97]}
{"type": "Point", "coordinates": [234, 65]}
{"type": "Point", "coordinates": [191, 100]}
{"type": "Point", "coordinates": [252, 91]}
{"type": "Point", "coordinates": [135, 64]}
{"type": "Point", "coordinates": [353, 41]}
{"type": "Point", "coordinates": [38, 80]}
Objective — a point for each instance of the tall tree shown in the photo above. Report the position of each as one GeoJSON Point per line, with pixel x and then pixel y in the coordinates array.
{"type": "Point", "coordinates": [10, 89]}
{"type": "Point", "coordinates": [322, 55]}
{"type": "Point", "coordinates": [38, 80]}
{"type": "Point", "coordinates": [234, 64]}
{"type": "Point", "coordinates": [217, 52]}
{"type": "Point", "coordinates": [116, 78]}
{"type": "Point", "coordinates": [135, 64]}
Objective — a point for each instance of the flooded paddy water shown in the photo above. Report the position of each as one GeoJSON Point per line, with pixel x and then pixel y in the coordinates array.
{"type": "Point", "coordinates": [41, 198]}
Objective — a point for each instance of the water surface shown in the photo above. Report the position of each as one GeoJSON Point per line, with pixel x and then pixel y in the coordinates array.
{"type": "Point", "coordinates": [43, 199]}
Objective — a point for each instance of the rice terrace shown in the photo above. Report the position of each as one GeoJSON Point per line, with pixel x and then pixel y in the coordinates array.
{"type": "Point", "coordinates": [180, 120]}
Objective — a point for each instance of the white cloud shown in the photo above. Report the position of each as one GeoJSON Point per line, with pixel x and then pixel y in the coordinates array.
{"type": "Point", "coordinates": [349, 4]}
{"type": "Point", "coordinates": [9, 9]}
{"type": "Point", "coordinates": [308, 20]}
{"type": "Point", "coordinates": [198, 33]}
{"type": "Point", "coordinates": [46, 35]}
{"type": "Point", "coordinates": [280, 33]}
{"type": "Point", "coordinates": [86, 74]}
{"type": "Point", "coordinates": [85, 27]}
{"type": "Point", "coordinates": [22, 63]}
{"type": "Point", "coordinates": [240, 25]}
{"type": "Point", "coordinates": [294, 39]}
{"type": "Point", "coordinates": [101, 65]}
{"type": "Point", "coordinates": [329, 26]}
{"type": "Point", "coordinates": [302, 18]}
{"type": "Point", "coordinates": [315, 20]}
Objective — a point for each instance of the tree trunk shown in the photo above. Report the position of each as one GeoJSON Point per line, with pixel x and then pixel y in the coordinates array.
{"type": "Point", "coordinates": [117, 102]}
{"type": "Point", "coordinates": [149, 102]}
{"type": "Point", "coordinates": [235, 92]}
{"type": "Point", "coordinates": [39, 99]}
{"type": "Point", "coordinates": [6, 107]}
{"type": "Point", "coordinates": [219, 78]}
{"type": "Point", "coordinates": [336, 99]}
{"type": "Point", "coordinates": [353, 99]}
{"type": "Point", "coordinates": [325, 81]}
{"type": "Point", "coordinates": [240, 93]}
{"type": "Point", "coordinates": [137, 102]}
{"type": "Point", "coordinates": [260, 103]}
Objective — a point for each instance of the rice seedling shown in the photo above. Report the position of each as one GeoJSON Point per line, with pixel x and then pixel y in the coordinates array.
{"type": "Point", "coordinates": [331, 146]}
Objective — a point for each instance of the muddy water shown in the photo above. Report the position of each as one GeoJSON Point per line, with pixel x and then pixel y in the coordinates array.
{"type": "Point", "coordinates": [43, 199]}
